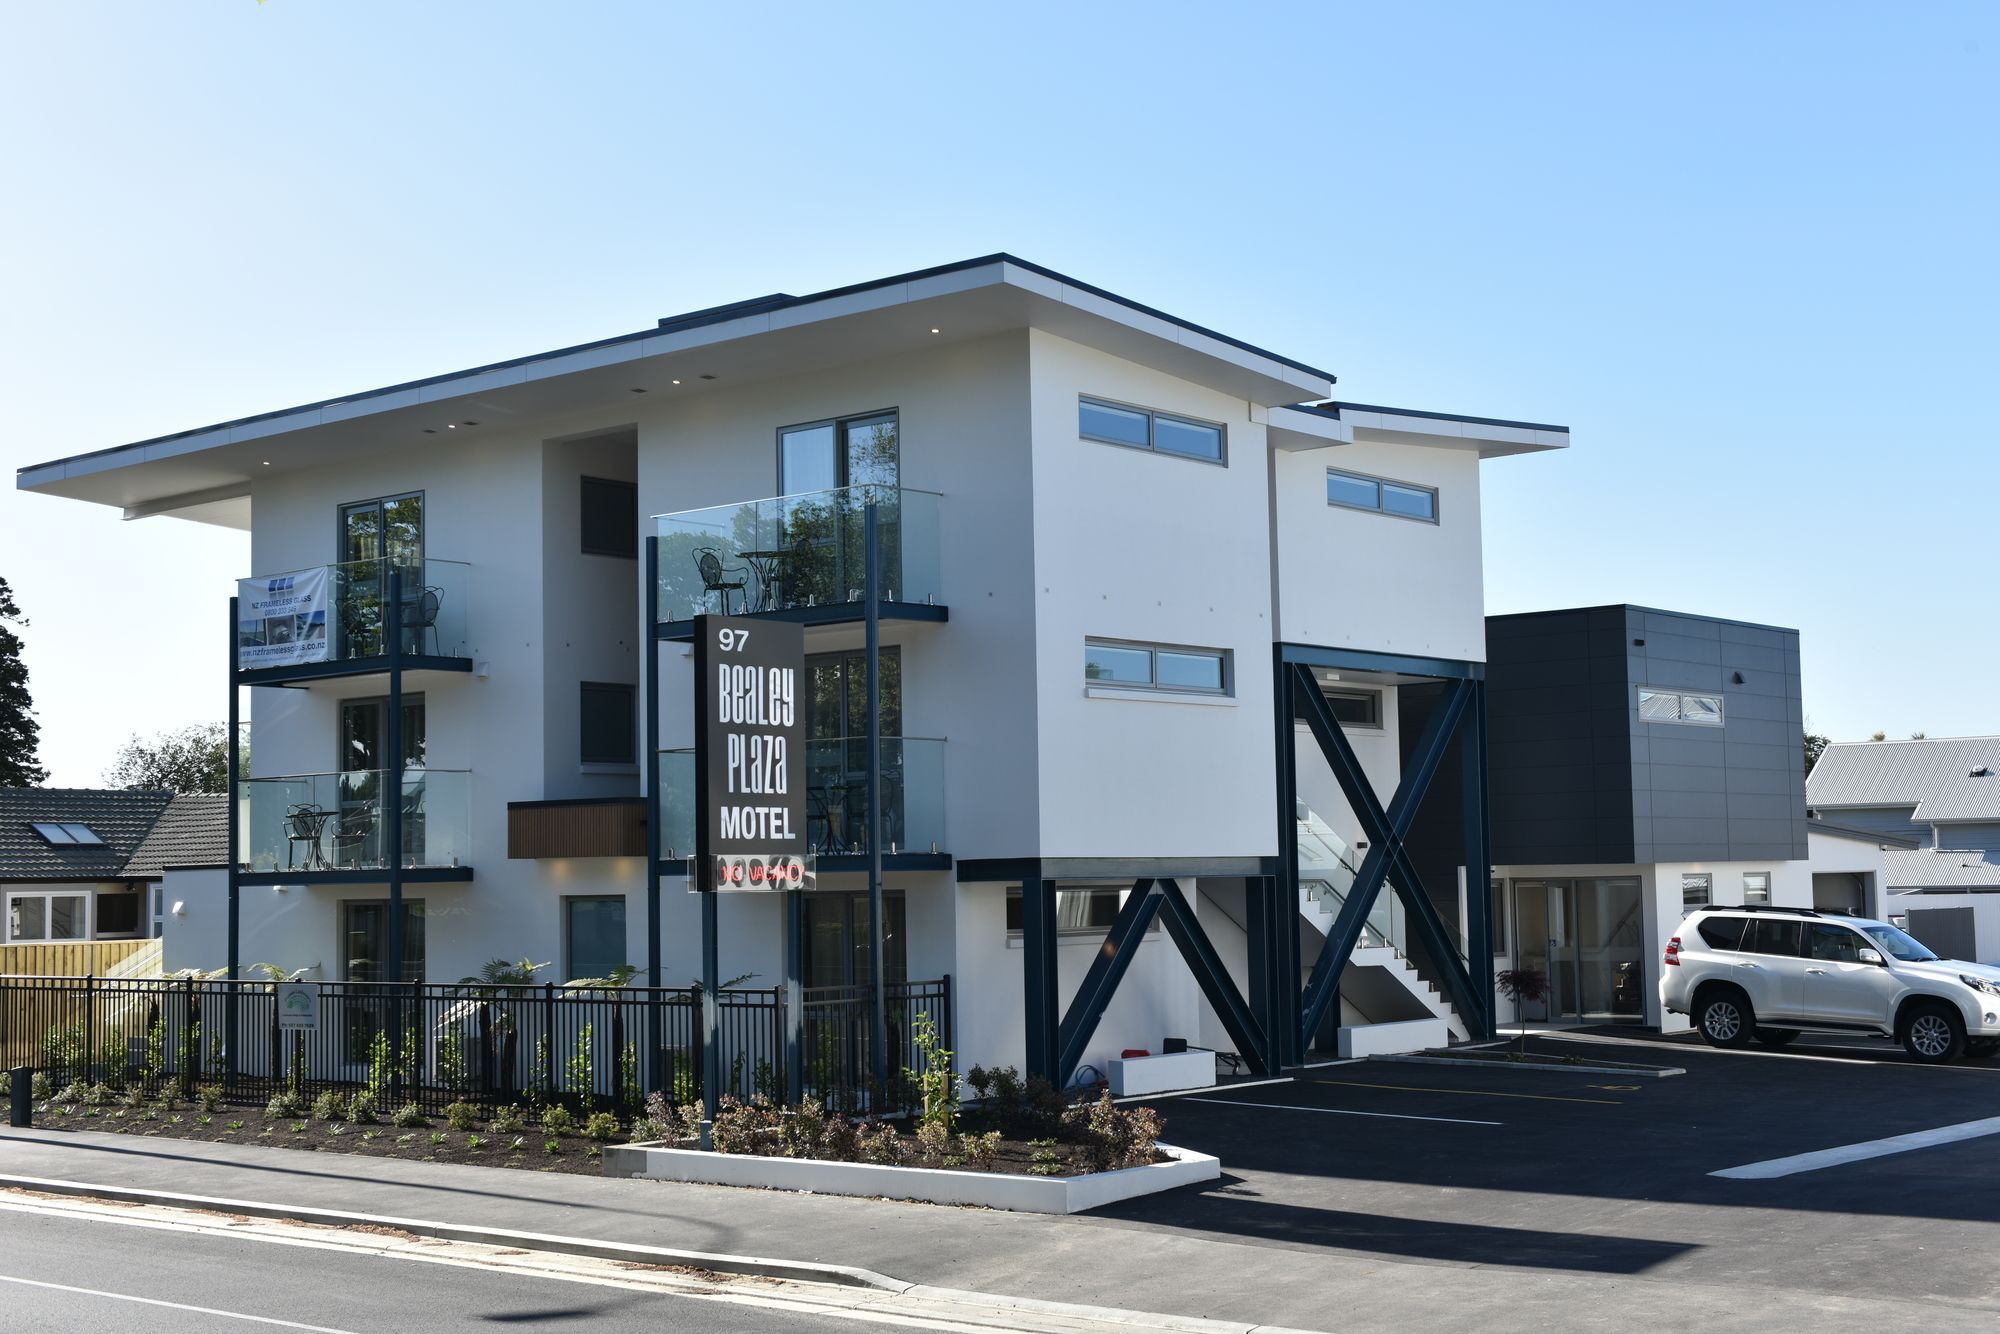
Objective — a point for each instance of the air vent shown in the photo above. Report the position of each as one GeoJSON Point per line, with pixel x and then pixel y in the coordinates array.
{"type": "Point", "coordinates": [1978, 771]}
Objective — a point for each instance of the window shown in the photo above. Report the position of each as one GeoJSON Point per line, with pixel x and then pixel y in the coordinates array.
{"type": "Point", "coordinates": [1695, 889]}
{"type": "Point", "coordinates": [607, 724]}
{"type": "Point", "coordinates": [610, 521]}
{"type": "Point", "coordinates": [1756, 886]}
{"type": "Point", "coordinates": [1723, 933]}
{"type": "Point", "coordinates": [836, 944]}
{"type": "Point", "coordinates": [1355, 708]}
{"type": "Point", "coordinates": [364, 930]}
{"type": "Point", "coordinates": [1079, 912]}
{"type": "Point", "coordinates": [1835, 944]}
{"type": "Point", "coordinates": [1163, 667]}
{"type": "Point", "coordinates": [1137, 428]}
{"type": "Point", "coordinates": [67, 835]}
{"type": "Point", "coordinates": [1671, 706]}
{"type": "Point", "coordinates": [1359, 491]}
{"type": "Point", "coordinates": [838, 703]}
{"type": "Point", "coordinates": [1773, 935]}
{"type": "Point", "coordinates": [159, 897]}
{"type": "Point", "coordinates": [848, 451]}
{"type": "Point", "coordinates": [1496, 915]}
{"type": "Point", "coordinates": [593, 936]}
{"type": "Point", "coordinates": [364, 733]}
{"type": "Point", "coordinates": [117, 915]}
{"type": "Point", "coordinates": [44, 917]}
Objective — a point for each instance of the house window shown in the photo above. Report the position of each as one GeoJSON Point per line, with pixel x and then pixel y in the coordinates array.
{"type": "Point", "coordinates": [1756, 886]}
{"type": "Point", "coordinates": [1079, 912]}
{"type": "Point", "coordinates": [364, 933]}
{"type": "Point", "coordinates": [1672, 706]}
{"type": "Point", "coordinates": [846, 451]}
{"type": "Point", "coordinates": [1695, 889]}
{"type": "Point", "coordinates": [117, 915]}
{"type": "Point", "coordinates": [49, 916]}
{"type": "Point", "coordinates": [608, 723]}
{"type": "Point", "coordinates": [67, 835]}
{"type": "Point", "coordinates": [1496, 916]}
{"type": "Point", "coordinates": [610, 520]}
{"type": "Point", "coordinates": [593, 936]}
{"type": "Point", "coordinates": [1169, 668]}
{"type": "Point", "coordinates": [1138, 428]}
{"type": "Point", "coordinates": [838, 703]}
{"type": "Point", "coordinates": [1355, 708]}
{"type": "Point", "coordinates": [836, 943]}
{"type": "Point", "coordinates": [1359, 491]}
{"type": "Point", "coordinates": [159, 911]}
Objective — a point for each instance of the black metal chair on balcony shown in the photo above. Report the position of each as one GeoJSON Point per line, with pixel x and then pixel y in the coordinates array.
{"type": "Point", "coordinates": [717, 577]}
{"type": "Point", "coordinates": [352, 832]}
{"type": "Point", "coordinates": [305, 822]}
{"type": "Point", "coordinates": [420, 613]}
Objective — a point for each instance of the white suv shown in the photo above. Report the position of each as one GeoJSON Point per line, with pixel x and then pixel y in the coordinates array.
{"type": "Point", "coordinates": [1773, 973]}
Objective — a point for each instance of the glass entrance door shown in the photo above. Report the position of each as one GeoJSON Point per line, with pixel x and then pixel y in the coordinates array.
{"type": "Point", "coordinates": [1585, 935]}
{"type": "Point", "coordinates": [1537, 904]}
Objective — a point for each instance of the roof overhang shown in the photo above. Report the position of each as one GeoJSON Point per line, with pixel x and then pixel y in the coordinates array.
{"type": "Point", "coordinates": [1317, 425]}
{"type": "Point", "coordinates": [206, 474]}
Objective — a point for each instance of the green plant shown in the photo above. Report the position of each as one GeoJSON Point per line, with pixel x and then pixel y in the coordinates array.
{"type": "Point", "coordinates": [298, 1127]}
{"type": "Point", "coordinates": [63, 1048]}
{"type": "Point", "coordinates": [409, 1116]}
{"type": "Point", "coordinates": [500, 973]}
{"type": "Point", "coordinates": [508, 1120]}
{"type": "Point", "coordinates": [236, 1125]}
{"type": "Point", "coordinates": [1112, 1136]}
{"type": "Point", "coordinates": [879, 1143]}
{"type": "Point", "coordinates": [406, 1139]}
{"type": "Point", "coordinates": [1044, 1158]}
{"type": "Point", "coordinates": [282, 1105]}
{"type": "Point", "coordinates": [461, 1116]}
{"type": "Point", "coordinates": [209, 1097]}
{"type": "Point", "coordinates": [474, 1142]}
{"type": "Point", "coordinates": [437, 1137]}
{"type": "Point", "coordinates": [519, 1145]}
{"type": "Point", "coordinates": [628, 1075]}
{"type": "Point", "coordinates": [738, 1125]}
{"type": "Point", "coordinates": [684, 1082]}
{"type": "Point", "coordinates": [361, 1110]}
{"type": "Point", "coordinates": [40, 1086]}
{"type": "Point", "coordinates": [582, 1072]}
{"type": "Point", "coordinates": [337, 1128]}
{"type": "Point", "coordinates": [201, 1120]}
{"type": "Point", "coordinates": [933, 1139]}
{"type": "Point", "coordinates": [766, 1082]}
{"type": "Point", "coordinates": [329, 1106]}
{"type": "Point", "coordinates": [980, 1152]}
{"type": "Point", "coordinates": [368, 1135]}
{"type": "Point", "coordinates": [558, 1120]}
{"type": "Point", "coordinates": [933, 1078]}
{"type": "Point", "coordinates": [1519, 986]}
{"type": "Point", "coordinates": [538, 1090]}
{"type": "Point", "coordinates": [551, 1146]}
{"type": "Point", "coordinates": [453, 1070]}
{"type": "Point", "coordinates": [601, 1126]}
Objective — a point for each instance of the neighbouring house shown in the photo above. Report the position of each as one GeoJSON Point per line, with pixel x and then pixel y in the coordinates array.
{"type": "Point", "coordinates": [1643, 763]}
{"type": "Point", "coordinates": [1173, 645]}
{"type": "Point", "coordinates": [1932, 804]}
{"type": "Point", "coordinates": [81, 865]}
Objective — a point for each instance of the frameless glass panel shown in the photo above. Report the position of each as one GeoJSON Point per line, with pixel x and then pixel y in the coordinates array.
{"type": "Point", "coordinates": [1411, 502]}
{"type": "Point", "coordinates": [1194, 439]}
{"type": "Point", "coordinates": [1531, 929]}
{"type": "Point", "coordinates": [27, 919]}
{"type": "Point", "coordinates": [594, 932]}
{"type": "Point", "coordinates": [807, 460]}
{"type": "Point", "coordinates": [1608, 934]}
{"type": "Point", "coordinates": [1117, 666]}
{"type": "Point", "coordinates": [1358, 492]}
{"type": "Point", "coordinates": [1187, 671]}
{"type": "Point", "coordinates": [870, 451]}
{"type": "Point", "coordinates": [1101, 421]}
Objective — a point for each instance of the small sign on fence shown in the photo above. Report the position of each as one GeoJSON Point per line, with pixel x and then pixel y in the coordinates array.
{"type": "Point", "coordinates": [298, 1006]}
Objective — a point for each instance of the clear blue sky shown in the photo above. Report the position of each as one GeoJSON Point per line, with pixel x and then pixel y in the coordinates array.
{"type": "Point", "coordinates": [1746, 252]}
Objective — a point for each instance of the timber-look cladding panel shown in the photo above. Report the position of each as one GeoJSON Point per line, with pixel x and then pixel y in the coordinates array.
{"type": "Point", "coordinates": [577, 829]}
{"type": "Point", "coordinates": [70, 958]}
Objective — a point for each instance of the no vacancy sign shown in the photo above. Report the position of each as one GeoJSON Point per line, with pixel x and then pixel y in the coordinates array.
{"type": "Point", "coordinates": [750, 755]}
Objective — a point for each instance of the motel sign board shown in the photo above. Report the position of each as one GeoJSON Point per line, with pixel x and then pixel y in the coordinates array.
{"type": "Point", "coordinates": [750, 755]}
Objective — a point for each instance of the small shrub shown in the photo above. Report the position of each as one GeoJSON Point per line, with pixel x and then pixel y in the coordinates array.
{"type": "Point", "coordinates": [236, 1125]}
{"type": "Point", "coordinates": [337, 1128]}
{"type": "Point", "coordinates": [409, 1116]}
{"type": "Point", "coordinates": [803, 1133]}
{"type": "Point", "coordinates": [330, 1106]}
{"type": "Point", "coordinates": [283, 1106]}
{"type": "Point", "coordinates": [842, 1143]}
{"type": "Point", "coordinates": [437, 1137]}
{"type": "Point", "coordinates": [72, 1094]}
{"type": "Point", "coordinates": [209, 1097]}
{"type": "Point", "coordinates": [406, 1139]}
{"type": "Point", "coordinates": [739, 1125]}
{"type": "Point", "coordinates": [361, 1110]}
{"type": "Point", "coordinates": [552, 1145]}
{"type": "Point", "coordinates": [461, 1116]}
{"type": "Point", "coordinates": [1044, 1158]}
{"type": "Point", "coordinates": [367, 1135]}
{"type": "Point", "coordinates": [601, 1126]}
{"type": "Point", "coordinates": [979, 1152]}
{"type": "Point", "coordinates": [520, 1144]}
{"type": "Point", "coordinates": [933, 1139]}
{"type": "Point", "coordinates": [201, 1120]}
{"type": "Point", "coordinates": [96, 1095]}
{"type": "Point", "coordinates": [508, 1120]}
{"type": "Point", "coordinates": [134, 1096]}
{"type": "Point", "coordinates": [40, 1086]}
{"type": "Point", "coordinates": [299, 1127]}
{"type": "Point", "coordinates": [879, 1143]}
{"type": "Point", "coordinates": [558, 1120]}
{"type": "Point", "coordinates": [474, 1142]}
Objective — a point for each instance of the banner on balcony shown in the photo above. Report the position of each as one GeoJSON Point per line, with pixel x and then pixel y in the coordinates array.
{"type": "Point", "coordinates": [750, 755]}
{"type": "Point", "coordinates": [281, 621]}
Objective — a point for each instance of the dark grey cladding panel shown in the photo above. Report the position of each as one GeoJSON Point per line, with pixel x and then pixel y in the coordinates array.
{"type": "Point", "coordinates": [1684, 745]}
{"type": "Point", "coordinates": [1764, 659]}
{"type": "Point", "coordinates": [1682, 648]}
{"type": "Point", "coordinates": [1745, 704]}
{"type": "Point", "coordinates": [1673, 673]}
{"type": "Point", "coordinates": [1686, 778]}
{"type": "Point", "coordinates": [1765, 782]}
{"type": "Point", "coordinates": [1691, 805]}
{"type": "Point", "coordinates": [1762, 731]}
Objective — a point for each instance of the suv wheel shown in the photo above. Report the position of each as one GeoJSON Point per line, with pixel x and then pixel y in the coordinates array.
{"type": "Point", "coordinates": [1724, 1018]}
{"type": "Point", "coordinates": [1776, 1037]}
{"type": "Point", "coordinates": [1933, 1033]}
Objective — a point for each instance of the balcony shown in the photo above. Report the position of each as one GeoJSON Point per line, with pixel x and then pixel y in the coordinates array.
{"type": "Point", "coordinates": [331, 828]}
{"type": "Point", "coordinates": [799, 558]}
{"type": "Point", "coordinates": [913, 835]}
{"type": "Point", "coordinates": [335, 620]}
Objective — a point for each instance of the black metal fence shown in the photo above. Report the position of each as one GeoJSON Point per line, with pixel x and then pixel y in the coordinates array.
{"type": "Point", "coordinates": [436, 1044]}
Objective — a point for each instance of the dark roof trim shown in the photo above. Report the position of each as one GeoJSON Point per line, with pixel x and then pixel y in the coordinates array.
{"type": "Point", "coordinates": [697, 319]}
{"type": "Point", "coordinates": [1816, 825]}
{"type": "Point", "coordinates": [1657, 611]}
{"type": "Point", "coordinates": [1333, 410]}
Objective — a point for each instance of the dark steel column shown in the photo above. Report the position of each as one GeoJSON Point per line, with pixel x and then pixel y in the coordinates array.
{"type": "Point", "coordinates": [711, 1011]}
{"type": "Point", "coordinates": [1478, 862]}
{"type": "Point", "coordinates": [392, 636]}
{"type": "Point", "coordinates": [234, 834]}
{"type": "Point", "coordinates": [1287, 1044]}
{"type": "Point", "coordinates": [654, 1076]}
{"type": "Point", "coordinates": [872, 591]}
{"type": "Point", "coordinates": [795, 994]}
{"type": "Point", "coordinates": [1039, 1008]}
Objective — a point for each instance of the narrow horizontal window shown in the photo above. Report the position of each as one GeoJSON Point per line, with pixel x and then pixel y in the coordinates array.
{"type": "Point", "coordinates": [1355, 708]}
{"type": "Point", "coordinates": [1675, 706]}
{"type": "Point", "coordinates": [1079, 912]}
{"type": "Point", "coordinates": [1359, 491]}
{"type": "Point", "coordinates": [1161, 432]}
{"type": "Point", "coordinates": [1163, 667]}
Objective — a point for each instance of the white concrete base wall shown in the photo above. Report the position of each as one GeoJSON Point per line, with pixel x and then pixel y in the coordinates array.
{"type": "Point", "coordinates": [1390, 1039]}
{"type": "Point", "coordinates": [1136, 1076]}
{"type": "Point", "coordinates": [991, 1190]}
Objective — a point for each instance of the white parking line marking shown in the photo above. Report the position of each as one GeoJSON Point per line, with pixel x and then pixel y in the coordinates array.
{"type": "Point", "coordinates": [174, 1306]}
{"type": "Point", "coordinates": [1336, 1111]}
{"type": "Point", "coordinates": [1854, 1153]}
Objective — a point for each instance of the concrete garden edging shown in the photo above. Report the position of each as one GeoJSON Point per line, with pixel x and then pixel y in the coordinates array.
{"type": "Point", "coordinates": [659, 1161]}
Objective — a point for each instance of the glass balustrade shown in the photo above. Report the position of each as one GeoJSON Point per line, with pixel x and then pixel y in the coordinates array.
{"type": "Point", "coordinates": [790, 552]}
{"type": "Point", "coordinates": [338, 821]}
{"type": "Point", "coordinates": [341, 612]}
{"type": "Point", "coordinates": [836, 797]}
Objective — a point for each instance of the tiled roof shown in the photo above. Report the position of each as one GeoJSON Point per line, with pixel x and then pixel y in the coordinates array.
{"type": "Point", "coordinates": [1928, 868]}
{"type": "Point", "coordinates": [121, 818]}
{"type": "Point", "coordinates": [193, 831]}
{"type": "Point", "coordinates": [1933, 775]}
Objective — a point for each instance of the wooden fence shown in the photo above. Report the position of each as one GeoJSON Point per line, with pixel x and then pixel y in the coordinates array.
{"type": "Point", "coordinates": [72, 958]}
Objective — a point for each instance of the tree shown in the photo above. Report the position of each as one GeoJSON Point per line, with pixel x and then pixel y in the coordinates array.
{"type": "Point", "coordinates": [1522, 985]}
{"type": "Point", "coordinates": [1815, 743]}
{"type": "Point", "coordinates": [189, 760]}
{"type": "Point", "coordinates": [20, 734]}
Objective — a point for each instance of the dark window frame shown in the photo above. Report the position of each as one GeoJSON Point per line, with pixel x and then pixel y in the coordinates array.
{"type": "Point", "coordinates": [570, 971]}
{"type": "Point", "coordinates": [843, 470]}
{"type": "Point", "coordinates": [1015, 915]}
{"type": "Point", "coordinates": [1374, 698]}
{"type": "Point", "coordinates": [628, 490]}
{"type": "Point", "coordinates": [1153, 417]}
{"type": "Point", "coordinates": [631, 694]}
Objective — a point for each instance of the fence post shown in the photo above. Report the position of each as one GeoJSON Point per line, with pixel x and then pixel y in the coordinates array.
{"type": "Point", "coordinates": [89, 1028]}
{"type": "Point", "coordinates": [549, 1040]}
{"type": "Point", "coordinates": [190, 1044]}
{"type": "Point", "coordinates": [947, 1029]}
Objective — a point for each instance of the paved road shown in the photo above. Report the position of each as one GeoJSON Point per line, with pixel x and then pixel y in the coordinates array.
{"type": "Point", "coordinates": [108, 1276]}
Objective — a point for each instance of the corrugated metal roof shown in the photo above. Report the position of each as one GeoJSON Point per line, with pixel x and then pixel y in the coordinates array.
{"type": "Point", "coordinates": [1935, 775]}
{"type": "Point", "coordinates": [121, 818]}
{"type": "Point", "coordinates": [193, 831]}
{"type": "Point", "coordinates": [1927, 868]}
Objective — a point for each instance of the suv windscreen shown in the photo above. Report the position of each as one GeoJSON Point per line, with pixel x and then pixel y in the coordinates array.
{"type": "Point", "coordinates": [1723, 933]}
{"type": "Point", "coordinates": [1769, 935]}
{"type": "Point", "coordinates": [1834, 944]}
{"type": "Point", "coordinates": [1898, 945]}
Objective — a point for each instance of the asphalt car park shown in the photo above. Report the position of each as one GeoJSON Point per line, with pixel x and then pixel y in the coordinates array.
{"type": "Point", "coordinates": [1871, 1174]}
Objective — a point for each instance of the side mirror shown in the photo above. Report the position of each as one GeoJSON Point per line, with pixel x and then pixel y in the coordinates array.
{"type": "Point", "coordinates": [1874, 957]}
